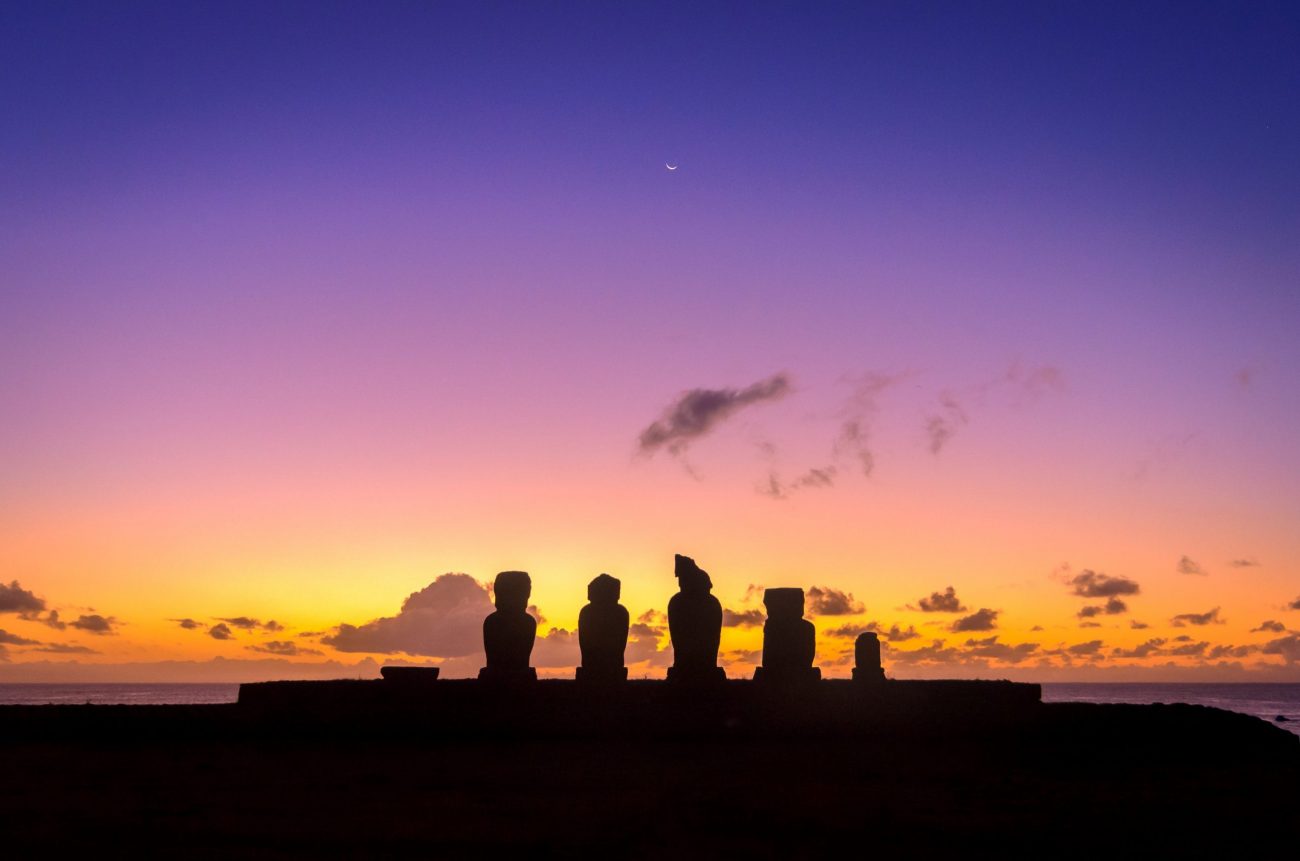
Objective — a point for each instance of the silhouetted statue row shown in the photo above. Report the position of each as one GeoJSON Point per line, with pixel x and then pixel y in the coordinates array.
{"type": "Point", "coordinates": [694, 626]}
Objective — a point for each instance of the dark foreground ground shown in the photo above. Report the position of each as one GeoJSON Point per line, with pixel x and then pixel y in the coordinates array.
{"type": "Point", "coordinates": [1058, 780]}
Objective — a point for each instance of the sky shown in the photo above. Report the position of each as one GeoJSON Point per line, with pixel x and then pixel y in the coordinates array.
{"type": "Point", "coordinates": [976, 322]}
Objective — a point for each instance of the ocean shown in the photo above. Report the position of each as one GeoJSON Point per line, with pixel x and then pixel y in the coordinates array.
{"type": "Point", "coordinates": [1265, 701]}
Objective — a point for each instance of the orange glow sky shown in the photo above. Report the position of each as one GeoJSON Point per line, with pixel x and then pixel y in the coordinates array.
{"type": "Point", "coordinates": [290, 328]}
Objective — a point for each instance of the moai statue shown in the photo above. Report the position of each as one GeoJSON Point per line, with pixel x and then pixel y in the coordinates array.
{"type": "Point", "coordinates": [789, 640]}
{"type": "Point", "coordinates": [694, 625]}
{"type": "Point", "coordinates": [602, 632]}
{"type": "Point", "coordinates": [866, 653]}
{"type": "Point", "coordinates": [508, 634]}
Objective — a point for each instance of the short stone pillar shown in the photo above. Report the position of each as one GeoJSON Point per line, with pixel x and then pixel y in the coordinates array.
{"type": "Point", "coordinates": [866, 653]}
{"type": "Point", "coordinates": [789, 640]}
{"type": "Point", "coordinates": [508, 634]}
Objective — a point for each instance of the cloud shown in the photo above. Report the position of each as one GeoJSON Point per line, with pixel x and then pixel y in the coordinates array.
{"type": "Point", "coordinates": [52, 620]}
{"type": "Point", "coordinates": [444, 619]}
{"type": "Point", "coordinates": [699, 411]}
{"type": "Point", "coordinates": [813, 478]}
{"type": "Point", "coordinates": [1092, 647]}
{"type": "Point", "coordinates": [1288, 647]}
{"type": "Point", "coordinates": [247, 623]}
{"type": "Point", "coordinates": [95, 624]}
{"type": "Point", "coordinates": [1294, 605]}
{"type": "Point", "coordinates": [743, 656]}
{"type": "Point", "coordinates": [825, 601]}
{"type": "Point", "coordinates": [1138, 626]}
{"type": "Point", "coordinates": [1271, 626]}
{"type": "Point", "coordinates": [857, 417]}
{"type": "Point", "coordinates": [895, 634]}
{"type": "Point", "coordinates": [945, 602]}
{"type": "Point", "coordinates": [66, 649]}
{"type": "Point", "coordinates": [1226, 651]}
{"type": "Point", "coordinates": [936, 653]}
{"type": "Point", "coordinates": [241, 622]}
{"type": "Point", "coordinates": [1244, 563]}
{"type": "Point", "coordinates": [4, 655]}
{"type": "Point", "coordinates": [1190, 650]}
{"type": "Point", "coordinates": [742, 618]}
{"type": "Point", "coordinates": [220, 631]}
{"type": "Point", "coordinates": [991, 648]}
{"type": "Point", "coordinates": [852, 442]}
{"type": "Point", "coordinates": [1091, 584]}
{"type": "Point", "coordinates": [16, 599]}
{"type": "Point", "coordinates": [1112, 607]}
{"type": "Point", "coordinates": [286, 648]}
{"type": "Point", "coordinates": [643, 644]}
{"type": "Point", "coordinates": [1184, 619]}
{"type": "Point", "coordinates": [7, 638]}
{"type": "Point", "coordinates": [189, 624]}
{"type": "Point", "coordinates": [559, 648]}
{"type": "Point", "coordinates": [1186, 565]}
{"type": "Point", "coordinates": [1037, 381]}
{"type": "Point", "coordinates": [941, 426]}
{"type": "Point", "coordinates": [982, 619]}
{"type": "Point", "coordinates": [1150, 647]}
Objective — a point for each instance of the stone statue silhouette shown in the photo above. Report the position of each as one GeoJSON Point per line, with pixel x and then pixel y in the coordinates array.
{"type": "Point", "coordinates": [694, 625]}
{"type": "Point", "coordinates": [866, 657]}
{"type": "Point", "coordinates": [602, 632]}
{"type": "Point", "coordinates": [508, 634]}
{"type": "Point", "coordinates": [789, 640]}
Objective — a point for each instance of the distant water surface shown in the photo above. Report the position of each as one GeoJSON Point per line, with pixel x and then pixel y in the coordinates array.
{"type": "Point", "coordinates": [117, 695]}
{"type": "Point", "coordinates": [1265, 701]}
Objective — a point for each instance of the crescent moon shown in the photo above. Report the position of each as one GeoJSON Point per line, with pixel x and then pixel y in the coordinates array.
{"type": "Point", "coordinates": [670, 166]}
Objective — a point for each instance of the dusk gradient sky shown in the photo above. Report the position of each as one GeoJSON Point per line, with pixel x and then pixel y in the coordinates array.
{"type": "Point", "coordinates": [305, 305]}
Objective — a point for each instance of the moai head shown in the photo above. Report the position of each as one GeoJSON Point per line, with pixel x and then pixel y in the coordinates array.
{"type": "Point", "coordinates": [511, 591]}
{"type": "Point", "coordinates": [783, 604]}
{"type": "Point", "coordinates": [691, 577]}
{"type": "Point", "coordinates": [604, 590]}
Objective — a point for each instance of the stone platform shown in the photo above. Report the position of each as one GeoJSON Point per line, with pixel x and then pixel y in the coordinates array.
{"type": "Point", "coordinates": [652, 707]}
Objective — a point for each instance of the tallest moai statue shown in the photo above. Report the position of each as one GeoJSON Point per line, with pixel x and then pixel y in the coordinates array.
{"type": "Point", "coordinates": [695, 625]}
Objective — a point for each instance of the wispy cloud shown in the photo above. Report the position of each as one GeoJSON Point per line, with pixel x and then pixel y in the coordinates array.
{"type": "Point", "coordinates": [1208, 618]}
{"type": "Point", "coordinates": [696, 412]}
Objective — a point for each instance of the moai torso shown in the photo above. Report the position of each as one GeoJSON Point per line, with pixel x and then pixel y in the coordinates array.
{"type": "Point", "coordinates": [789, 640]}
{"type": "Point", "coordinates": [602, 628]}
{"type": "Point", "coordinates": [508, 634]}
{"type": "Point", "coordinates": [694, 625]}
